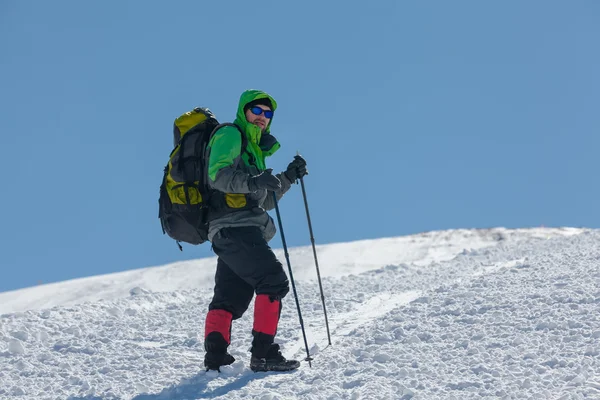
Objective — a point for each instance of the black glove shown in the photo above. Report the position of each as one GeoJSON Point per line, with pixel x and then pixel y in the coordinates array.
{"type": "Point", "coordinates": [266, 180]}
{"type": "Point", "coordinates": [296, 169]}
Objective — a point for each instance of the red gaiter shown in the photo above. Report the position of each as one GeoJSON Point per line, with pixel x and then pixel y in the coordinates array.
{"type": "Point", "coordinates": [266, 314]}
{"type": "Point", "coordinates": [218, 321]}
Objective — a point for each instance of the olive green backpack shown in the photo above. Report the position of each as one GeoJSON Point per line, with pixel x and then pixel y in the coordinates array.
{"type": "Point", "coordinates": [184, 192]}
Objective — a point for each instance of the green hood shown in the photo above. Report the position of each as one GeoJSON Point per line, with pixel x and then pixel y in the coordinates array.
{"type": "Point", "coordinates": [253, 132]}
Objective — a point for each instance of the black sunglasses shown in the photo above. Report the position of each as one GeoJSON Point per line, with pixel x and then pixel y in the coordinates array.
{"type": "Point", "coordinates": [257, 111]}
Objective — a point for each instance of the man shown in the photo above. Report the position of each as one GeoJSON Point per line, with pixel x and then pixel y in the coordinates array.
{"type": "Point", "coordinates": [239, 229]}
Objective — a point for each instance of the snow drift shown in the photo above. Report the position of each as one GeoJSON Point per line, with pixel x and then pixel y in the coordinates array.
{"type": "Point", "coordinates": [460, 314]}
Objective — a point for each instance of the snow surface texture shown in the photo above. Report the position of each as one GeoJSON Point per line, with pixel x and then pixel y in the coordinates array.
{"type": "Point", "coordinates": [337, 259]}
{"type": "Point", "coordinates": [515, 315]}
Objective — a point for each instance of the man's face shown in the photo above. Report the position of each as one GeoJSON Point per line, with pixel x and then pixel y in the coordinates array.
{"type": "Point", "coordinates": [258, 120]}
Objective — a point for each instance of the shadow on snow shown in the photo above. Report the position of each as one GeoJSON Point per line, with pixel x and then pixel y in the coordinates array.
{"type": "Point", "coordinates": [197, 387]}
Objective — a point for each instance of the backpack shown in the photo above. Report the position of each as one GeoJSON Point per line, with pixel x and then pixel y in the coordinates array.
{"type": "Point", "coordinates": [184, 197]}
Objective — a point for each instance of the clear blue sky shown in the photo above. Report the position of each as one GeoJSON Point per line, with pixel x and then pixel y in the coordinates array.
{"type": "Point", "coordinates": [413, 116]}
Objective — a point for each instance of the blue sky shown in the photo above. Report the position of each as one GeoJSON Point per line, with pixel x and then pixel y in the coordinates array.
{"type": "Point", "coordinates": [413, 116]}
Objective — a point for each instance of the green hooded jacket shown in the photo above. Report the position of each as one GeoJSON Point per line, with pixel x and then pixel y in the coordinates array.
{"type": "Point", "coordinates": [226, 143]}
{"type": "Point", "coordinates": [229, 170]}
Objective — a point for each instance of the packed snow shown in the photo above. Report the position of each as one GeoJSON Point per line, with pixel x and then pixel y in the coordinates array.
{"type": "Point", "coordinates": [462, 314]}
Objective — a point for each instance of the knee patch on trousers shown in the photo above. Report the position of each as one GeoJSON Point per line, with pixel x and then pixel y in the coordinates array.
{"type": "Point", "coordinates": [274, 285]}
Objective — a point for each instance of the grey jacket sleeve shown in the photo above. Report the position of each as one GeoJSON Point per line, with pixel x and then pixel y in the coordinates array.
{"type": "Point", "coordinates": [286, 184]}
{"type": "Point", "coordinates": [231, 180]}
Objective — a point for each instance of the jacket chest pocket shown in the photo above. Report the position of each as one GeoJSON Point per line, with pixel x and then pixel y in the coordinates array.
{"type": "Point", "coordinates": [235, 200]}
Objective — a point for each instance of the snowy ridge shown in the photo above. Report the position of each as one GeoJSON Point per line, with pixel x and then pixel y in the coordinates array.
{"type": "Point", "coordinates": [517, 318]}
{"type": "Point", "coordinates": [336, 259]}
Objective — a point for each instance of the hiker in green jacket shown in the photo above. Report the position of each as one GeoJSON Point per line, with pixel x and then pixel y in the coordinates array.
{"type": "Point", "coordinates": [240, 228]}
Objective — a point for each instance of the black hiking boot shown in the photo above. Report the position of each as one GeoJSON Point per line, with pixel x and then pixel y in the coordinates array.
{"type": "Point", "coordinates": [214, 361]}
{"type": "Point", "coordinates": [273, 361]}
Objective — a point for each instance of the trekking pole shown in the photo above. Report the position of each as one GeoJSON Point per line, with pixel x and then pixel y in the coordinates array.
{"type": "Point", "coordinates": [312, 239]}
{"type": "Point", "coordinates": [287, 258]}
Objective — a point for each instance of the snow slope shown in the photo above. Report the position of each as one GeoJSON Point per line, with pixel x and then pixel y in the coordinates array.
{"type": "Point", "coordinates": [336, 259]}
{"type": "Point", "coordinates": [477, 314]}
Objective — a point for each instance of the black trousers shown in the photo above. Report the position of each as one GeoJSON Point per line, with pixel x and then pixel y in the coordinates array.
{"type": "Point", "coordinates": [246, 265]}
